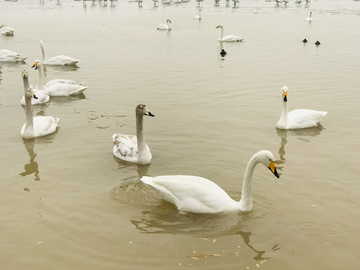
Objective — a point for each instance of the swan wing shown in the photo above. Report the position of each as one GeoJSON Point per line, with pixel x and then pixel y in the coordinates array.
{"type": "Point", "coordinates": [304, 118]}
{"type": "Point", "coordinates": [125, 147]}
{"type": "Point", "coordinates": [11, 58]}
{"type": "Point", "coordinates": [44, 125]}
{"type": "Point", "coordinates": [65, 89]}
{"type": "Point", "coordinates": [191, 193]}
{"type": "Point", "coordinates": [232, 38]}
{"type": "Point", "coordinates": [61, 60]}
{"type": "Point", "coordinates": [55, 81]}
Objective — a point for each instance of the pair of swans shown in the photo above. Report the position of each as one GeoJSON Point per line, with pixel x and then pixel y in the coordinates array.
{"type": "Point", "coordinates": [59, 60]}
{"type": "Point", "coordinates": [35, 126]}
{"type": "Point", "coordinates": [228, 38]}
{"type": "Point", "coordinates": [297, 119]}
{"type": "Point", "coordinates": [163, 26]}
{"type": "Point", "coordinates": [133, 148]}
{"type": "Point", "coordinates": [10, 56]}
{"type": "Point", "coordinates": [6, 30]}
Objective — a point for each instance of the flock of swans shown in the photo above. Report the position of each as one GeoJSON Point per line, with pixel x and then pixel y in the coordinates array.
{"type": "Point", "coordinates": [188, 193]}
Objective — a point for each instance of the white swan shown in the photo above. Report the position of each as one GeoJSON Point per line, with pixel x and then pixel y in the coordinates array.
{"type": "Point", "coordinates": [309, 19]}
{"type": "Point", "coordinates": [163, 26]}
{"type": "Point", "coordinates": [6, 30]}
{"type": "Point", "coordinates": [199, 195]}
{"type": "Point", "coordinates": [300, 118]}
{"type": "Point", "coordinates": [35, 126]}
{"type": "Point", "coordinates": [59, 87]}
{"type": "Point", "coordinates": [133, 148]}
{"type": "Point", "coordinates": [9, 56]}
{"type": "Point", "coordinates": [42, 96]}
{"type": "Point", "coordinates": [60, 60]}
{"type": "Point", "coordinates": [229, 38]}
{"type": "Point", "coordinates": [198, 17]}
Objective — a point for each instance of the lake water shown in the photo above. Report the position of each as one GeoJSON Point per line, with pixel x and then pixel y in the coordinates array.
{"type": "Point", "coordinates": [67, 203]}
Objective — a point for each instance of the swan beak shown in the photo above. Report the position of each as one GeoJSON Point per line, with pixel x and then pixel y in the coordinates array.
{"type": "Point", "coordinates": [273, 169]}
{"type": "Point", "coordinates": [32, 94]}
{"type": "Point", "coordinates": [35, 65]}
{"type": "Point", "coordinates": [285, 96]}
{"type": "Point", "coordinates": [150, 114]}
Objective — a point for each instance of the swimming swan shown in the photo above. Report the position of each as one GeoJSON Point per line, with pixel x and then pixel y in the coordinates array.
{"type": "Point", "coordinates": [300, 118]}
{"type": "Point", "coordinates": [229, 38]}
{"type": "Point", "coordinates": [60, 60]}
{"type": "Point", "coordinates": [309, 19]}
{"type": "Point", "coordinates": [6, 30]}
{"type": "Point", "coordinates": [35, 126]}
{"type": "Point", "coordinates": [9, 56]}
{"type": "Point", "coordinates": [198, 17]}
{"type": "Point", "coordinates": [199, 195]}
{"type": "Point", "coordinates": [163, 26]}
{"type": "Point", "coordinates": [59, 87]}
{"type": "Point", "coordinates": [133, 148]}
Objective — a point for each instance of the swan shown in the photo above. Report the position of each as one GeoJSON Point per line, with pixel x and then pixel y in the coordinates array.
{"type": "Point", "coordinates": [309, 19]}
{"type": "Point", "coordinates": [6, 30]}
{"type": "Point", "coordinates": [163, 26]}
{"type": "Point", "coordinates": [229, 38]}
{"type": "Point", "coordinates": [35, 126]}
{"type": "Point", "coordinates": [133, 148]}
{"type": "Point", "coordinates": [198, 17]}
{"type": "Point", "coordinates": [58, 87]}
{"type": "Point", "coordinates": [60, 60]}
{"type": "Point", "coordinates": [10, 56]}
{"type": "Point", "coordinates": [199, 195]}
{"type": "Point", "coordinates": [300, 118]}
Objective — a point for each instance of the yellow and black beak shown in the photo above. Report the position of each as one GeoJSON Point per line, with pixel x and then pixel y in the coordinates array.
{"type": "Point", "coordinates": [273, 169]}
{"type": "Point", "coordinates": [35, 65]}
{"type": "Point", "coordinates": [285, 96]}
{"type": "Point", "coordinates": [32, 94]}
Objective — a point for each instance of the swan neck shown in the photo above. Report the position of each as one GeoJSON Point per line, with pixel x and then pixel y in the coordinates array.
{"type": "Point", "coordinates": [246, 194]}
{"type": "Point", "coordinates": [222, 33]}
{"type": "Point", "coordinates": [284, 113]}
{"type": "Point", "coordinates": [41, 77]}
{"type": "Point", "coordinates": [29, 123]}
{"type": "Point", "coordinates": [139, 133]}
{"type": "Point", "coordinates": [43, 52]}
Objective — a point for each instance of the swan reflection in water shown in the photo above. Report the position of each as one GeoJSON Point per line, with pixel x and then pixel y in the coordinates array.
{"type": "Point", "coordinates": [32, 167]}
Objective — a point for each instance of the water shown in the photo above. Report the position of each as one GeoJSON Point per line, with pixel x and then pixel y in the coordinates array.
{"type": "Point", "coordinates": [67, 203]}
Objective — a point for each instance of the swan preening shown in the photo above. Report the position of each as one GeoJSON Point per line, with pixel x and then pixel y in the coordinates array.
{"type": "Point", "coordinates": [199, 195]}
{"type": "Point", "coordinates": [58, 87]}
{"type": "Point", "coordinates": [309, 19]}
{"type": "Point", "coordinates": [9, 56]}
{"type": "Point", "coordinates": [163, 26]}
{"type": "Point", "coordinates": [133, 148]}
{"type": "Point", "coordinates": [35, 126]}
{"type": "Point", "coordinates": [6, 30]}
{"type": "Point", "coordinates": [300, 118]}
{"type": "Point", "coordinates": [229, 38]}
{"type": "Point", "coordinates": [60, 60]}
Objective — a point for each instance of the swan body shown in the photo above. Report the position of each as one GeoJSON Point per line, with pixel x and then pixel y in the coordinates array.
{"type": "Point", "coordinates": [133, 148]}
{"type": "Point", "coordinates": [58, 87]}
{"type": "Point", "coordinates": [9, 56]}
{"type": "Point", "coordinates": [228, 38]}
{"type": "Point", "coordinates": [35, 126]}
{"type": "Point", "coordinates": [300, 118]}
{"type": "Point", "coordinates": [309, 19]}
{"type": "Point", "coordinates": [163, 26]}
{"type": "Point", "coordinates": [6, 30]}
{"type": "Point", "coordinates": [198, 17]}
{"type": "Point", "coordinates": [60, 60]}
{"type": "Point", "coordinates": [199, 195]}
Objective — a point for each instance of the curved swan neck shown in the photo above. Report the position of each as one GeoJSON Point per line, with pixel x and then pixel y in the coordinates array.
{"type": "Point", "coordinates": [140, 133]}
{"type": "Point", "coordinates": [41, 77]}
{"type": "Point", "coordinates": [43, 51]}
{"type": "Point", "coordinates": [246, 195]}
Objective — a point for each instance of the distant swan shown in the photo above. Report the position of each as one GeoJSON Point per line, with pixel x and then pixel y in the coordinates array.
{"type": "Point", "coordinates": [163, 26]}
{"type": "Point", "coordinates": [35, 126]}
{"type": "Point", "coordinates": [6, 30]}
{"type": "Point", "coordinates": [199, 195]}
{"type": "Point", "coordinates": [229, 38]}
{"type": "Point", "coordinates": [60, 60]}
{"type": "Point", "coordinates": [59, 87]}
{"type": "Point", "coordinates": [9, 56]}
{"type": "Point", "coordinates": [198, 17]}
{"type": "Point", "coordinates": [133, 148]}
{"type": "Point", "coordinates": [309, 19]}
{"type": "Point", "coordinates": [300, 118]}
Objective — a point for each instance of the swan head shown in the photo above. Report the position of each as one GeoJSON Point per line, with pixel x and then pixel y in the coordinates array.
{"type": "Point", "coordinates": [36, 64]}
{"type": "Point", "coordinates": [168, 20]}
{"type": "Point", "coordinates": [284, 91]}
{"type": "Point", "coordinates": [267, 159]}
{"type": "Point", "coordinates": [219, 26]}
{"type": "Point", "coordinates": [142, 110]}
